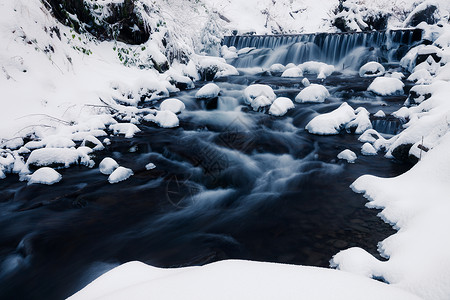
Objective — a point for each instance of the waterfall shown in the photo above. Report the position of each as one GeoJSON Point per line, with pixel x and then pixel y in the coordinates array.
{"type": "Point", "coordinates": [331, 48]}
{"type": "Point", "coordinates": [390, 126]}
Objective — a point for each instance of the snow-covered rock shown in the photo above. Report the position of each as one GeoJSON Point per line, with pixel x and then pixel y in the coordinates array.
{"type": "Point", "coordinates": [280, 106]}
{"type": "Point", "coordinates": [53, 156]}
{"type": "Point", "coordinates": [305, 82]}
{"type": "Point", "coordinates": [332, 122]}
{"type": "Point", "coordinates": [45, 175]}
{"type": "Point", "coordinates": [420, 76]}
{"type": "Point", "coordinates": [150, 166]}
{"type": "Point", "coordinates": [368, 149]}
{"type": "Point", "coordinates": [210, 90]}
{"type": "Point", "coordinates": [277, 68]}
{"type": "Point", "coordinates": [385, 86]}
{"type": "Point", "coordinates": [380, 114]}
{"type": "Point", "coordinates": [128, 129]}
{"type": "Point", "coordinates": [108, 165]}
{"type": "Point", "coordinates": [164, 118]}
{"type": "Point", "coordinates": [292, 72]}
{"type": "Point", "coordinates": [371, 69]}
{"type": "Point", "coordinates": [347, 155]}
{"type": "Point", "coordinates": [312, 93]}
{"type": "Point", "coordinates": [93, 142]}
{"type": "Point", "coordinates": [313, 67]}
{"type": "Point", "coordinates": [120, 174]}
{"type": "Point", "coordinates": [361, 123]}
{"type": "Point", "coordinates": [173, 105]}
{"type": "Point", "coordinates": [255, 90]}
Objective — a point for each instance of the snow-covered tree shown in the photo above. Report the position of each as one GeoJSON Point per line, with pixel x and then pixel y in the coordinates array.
{"type": "Point", "coordinates": [211, 36]}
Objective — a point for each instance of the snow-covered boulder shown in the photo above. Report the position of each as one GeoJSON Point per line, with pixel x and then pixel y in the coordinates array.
{"type": "Point", "coordinates": [420, 76]}
{"type": "Point", "coordinates": [418, 94]}
{"type": "Point", "coordinates": [369, 136]}
{"type": "Point", "coordinates": [53, 156]}
{"type": "Point", "coordinates": [214, 67]}
{"type": "Point", "coordinates": [313, 93]}
{"type": "Point", "coordinates": [332, 122]}
{"type": "Point", "coordinates": [255, 90]}
{"type": "Point", "coordinates": [45, 175]}
{"type": "Point", "coordinates": [260, 101]}
{"type": "Point", "coordinates": [368, 149]}
{"type": "Point", "coordinates": [385, 86]}
{"type": "Point", "coordinates": [181, 82]}
{"type": "Point", "coordinates": [120, 174]}
{"type": "Point", "coordinates": [58, 141]}
{"type": "Point", "coordinates": [150, 166]}
{"type": "Point", "coordinates": [305, 82]}
{"type": "Point", "coordinates": [313, 67]}
{"type": "Point", "coordinates": [277, 68]}
{"type": "Point", "coordinates": [361, 123]}
{"type": "Point", "coordinates": [380, 114]}
{"type": "Point", "coordinates": [371, 69]}
{"type": "Point", "coordinates": [164, 118]}
{"type": "Point", "coordinates": [208, 91]}
{"type": "Point", "coordinates": [292, 72]}
{"type": "Point", "coordinates": [347, 155]}
{"type": "Point", "coordinates": [128, 129]}
{"type": "Point", "coordinates": [173, 105]}
{"type": "Point", "coordinates": [108, 165]}
{"type": "Point", "coordinates": [280, 106]}
{"type": "Point", "coordinates": [92, 142]}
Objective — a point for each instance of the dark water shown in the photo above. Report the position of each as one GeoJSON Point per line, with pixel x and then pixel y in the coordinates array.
{"type": "Point", "coordinates": [228, 183]}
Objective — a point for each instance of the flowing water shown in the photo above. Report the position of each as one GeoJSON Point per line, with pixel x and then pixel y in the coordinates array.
{"type": "Point", "coordinates": [228, 183]}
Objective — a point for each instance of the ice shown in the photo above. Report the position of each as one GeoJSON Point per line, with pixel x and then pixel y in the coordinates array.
{"type": "Point", "coordinates": [371, 69]}
{"type": "Point", "coordinates": [210, 90]}
{"type": "Point", "coordinates": [165, 118]}
{"type": "Point", "coordinates": [347, 155]}
{"type": "Point", "coordinates": [292, 72]}
{"type": "Point", "coordinates": [280, 106]}
{"type": "Point", "coordinates": [313, 93]}
{"type": "Point", "coordinates": [368, 149]}
{"type": "Point", "coordinates": [108, 165]}
{"type": "Point", "coordinates": [332, 122]}
{"type": "Point", "coordinates": [128, 129]}
{"type": "Point", "coordinates": [255, 90]}
{"type": "Point", "coordinates": [45, 175]}
{"type": "Point", "coordinates": [385, 86]}
{"type": "Point", "coordinates": [120, 174]}
{"type": "Point", "coordinates": [174, 105]}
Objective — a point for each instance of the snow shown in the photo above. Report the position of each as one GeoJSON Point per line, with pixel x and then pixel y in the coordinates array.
{"type": "Point", "coordinates": [255, 90]}
{"type": "Point", "coordinates": [420, 76]}
{"type": "Point", "coordinates": [371, 69]}
{"type": "Point", "coordinates": [174, 105]}
{"type": "Point", "coordinates": [50, 156]}
{"type": "Point", "coordinates": [313, 67]}
{"type": "Point", "coordinates": [292, 72]}
{"type": "Point", "coordinates": [305, 82]}
{"type": "Point", "coordinates": [280, 106]}
{"type": "Point", "coordinates": [108, 165]}
{"type": "Point", "coordinates": [277, 68]}
{"type": "Point", "coordinates": [380, 114]}
{"type": "Point", "coordinates": [120, 174]}
{"type": "Point", "coordinates": [235, 279]}
{"type": "Point", "coordinates": [347, 155]}
{"type": "Point", "coordinates": [332, 122]}
{"type": "Point", "coordinates": [361, 123]}
{"type": "Point", "coordinates": [260, 101]}
{"type": "Point", "coordinates": [313, 93]}
{"type": "Point", "coordinates": [210, 90]}
{"type": "Point", "coordinates": [150, 166]}
{"type": "Point", "coordinates": [128, 129]}
{"type": "Point", "coordinates": [45, 175]}
{"type": "Point", "coordinates": [385, 86]}
{"type": "Point", "coordinates": [165, 119]}
{"type": "Point", "coordinates": [368, 149]}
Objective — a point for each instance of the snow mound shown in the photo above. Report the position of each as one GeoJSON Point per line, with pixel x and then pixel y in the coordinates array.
{"type": "Point", "coordinates": [371, 69]}
{"type": "Point", "coordinates": [313, 93]}
{"type": "Point", "coordinates": [347, 155]}
{"type": "Point", "coordinates": [244, 280]}
{"type": "Point", "coordinates": [293, 72]}
{"type": "Point", "coordinates": [173, 105]}
{"type": "Point", "coordinates": [368, 149]}
{"type": "Point", "coordinates": [277, 68]}
{"type": "Point", "coordinates": [280, 106]}
{"type": "Point", "coordinates": [332, 122]}
{"type": "Point", "coordinates": [108, 165]}
{"type": "Point", "coordinates": [128, 129]}
{"type": "Point", "coordinates": [385, 86]}
{"type": "Point", "coordinates": [210, 90]}
{"type": "Point", "coordinates": [45, 175]}
{"type": "Point", "coordinates": [313, 67]}
{"type": "Point", "coordinates": [255, 90]}
{"type": "Point", "coordinates": [260, 101]}
{"type": "Point", "coordinates": [165, 119]}
{"type": "Point", "coordinates": [380, 114]}
{"type": "Point", "coordinates": [120, 174]}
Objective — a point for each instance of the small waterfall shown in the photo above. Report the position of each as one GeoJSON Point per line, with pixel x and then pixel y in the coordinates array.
{"type": "Point", "coordinates": [331, 48]}
{"type": "Point", "coordinates": [388, 125]}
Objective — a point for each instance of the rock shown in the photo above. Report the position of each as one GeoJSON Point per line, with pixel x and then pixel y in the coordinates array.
{"type": "Point", "coordinates": [423, 13]}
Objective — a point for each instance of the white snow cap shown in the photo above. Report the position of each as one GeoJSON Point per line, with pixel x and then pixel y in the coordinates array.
{"type": "Point", "coordinates": [371, 69]}
{"type": "Point", "coordinates": [108, 165]}
{"type": "Point", "coordinates": [332, 122]}
{"type": "Point", "coordinates": [313, 93]}
{"type": "Point", "coordinates": [210, 90]}
{"type": "Point", "coordinates": [305, 82]}
{"type": "Point", "coordinates": [368, 149]}
{"type": "Point", "coordinates": [173, 105]}
{"type": "Point", "coordinates": [150, 166]}
{"type": "Point", "coordinates": [385, 86]}
{"type": "Point", "coordinates": [313, 67]}
{"type": "Point", "coordinates": [45, 175]}
{"type": "Point", "coordinates": [280, 106]}
{"type": "Point", "coordinates": [120, 174]}
{"type": "Point", "coordinates": [260, 101]}
{"type": "Point", "coordinates": [165, 119]}
{"type": "Point", "coordinates": [293, 72]}
{"type": "Point", "coordinates": [255, 90]}
{"type": "Point", "coordinates": [380, 114]}
{"type": "Point", "coordinates": [347, 155]}
{"type": "Point", "coordinates": [128, 129]}
{"type": "Point", "coordinates": [277, 68]}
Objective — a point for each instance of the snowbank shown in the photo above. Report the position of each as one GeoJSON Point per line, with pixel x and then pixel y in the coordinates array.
{"type": "Point", "coordinates": [313, 93]}
{"type": "Point", "coordinates": [234, 279]}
